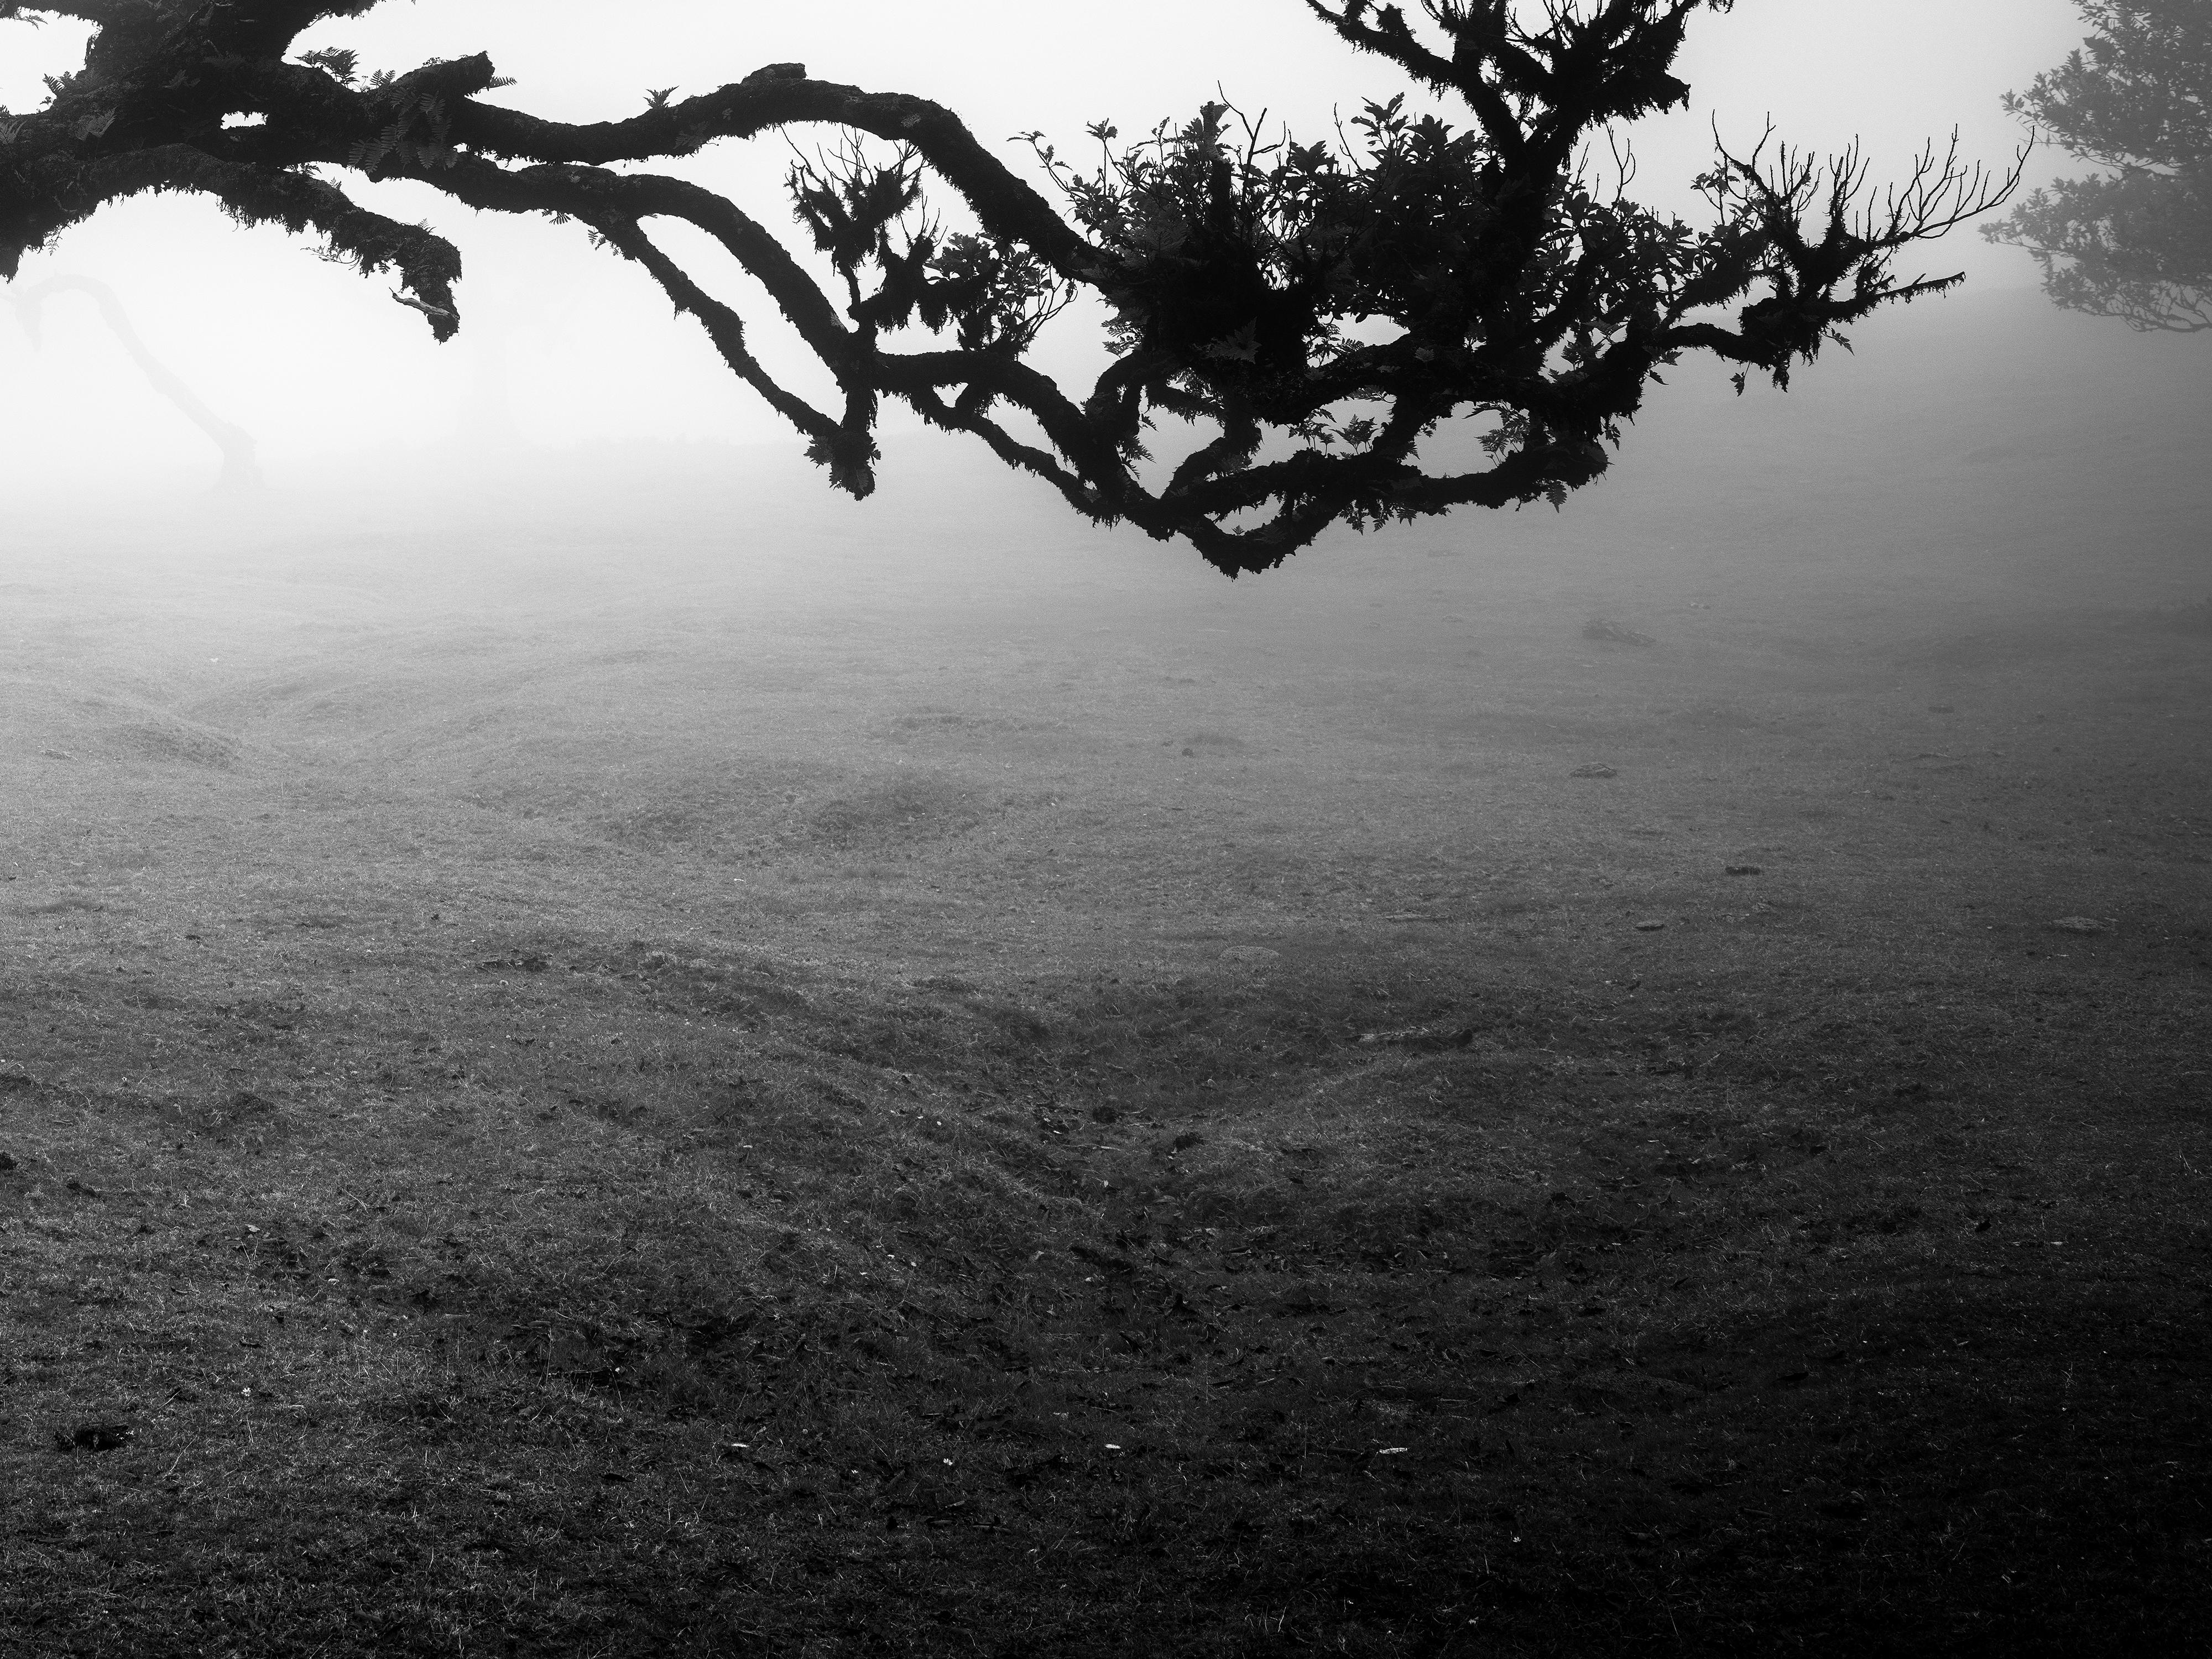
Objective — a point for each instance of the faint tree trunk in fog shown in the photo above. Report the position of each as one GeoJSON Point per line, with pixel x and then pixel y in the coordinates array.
{"type": "Point", "coordinates": [240, 471]}
{"type": "Point", "coordinates": [1312, 315]}
{"type": "Point", "coordinates": [2135, 243]}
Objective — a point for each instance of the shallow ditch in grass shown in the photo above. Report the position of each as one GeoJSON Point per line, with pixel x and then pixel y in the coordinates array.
{"type": "Point", "coordinates": [664, 1300]}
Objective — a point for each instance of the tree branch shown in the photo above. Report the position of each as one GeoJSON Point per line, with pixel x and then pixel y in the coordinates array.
{"type": "Point", "coordinates": [1348, 299]}
{"type": "Point", "coordinates": [779, 96]}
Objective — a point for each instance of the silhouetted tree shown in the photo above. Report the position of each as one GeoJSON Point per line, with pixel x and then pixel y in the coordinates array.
{"type": "Point", "coordinates": [2135, 243]}
{"type": "Point", "coordinates": [241, 470]}
{"type": "Point", "coordinates": [1318, 310]}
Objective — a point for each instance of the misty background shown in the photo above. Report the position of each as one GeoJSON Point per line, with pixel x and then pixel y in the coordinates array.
{"type": "Point", "coordinates": [600, 1045]}
{"type": "Point", "coordinates": [577, 477]}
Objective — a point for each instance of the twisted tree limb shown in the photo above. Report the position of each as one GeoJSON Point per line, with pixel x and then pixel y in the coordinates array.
{"type": "Point", "coordinates": [1317, 312]}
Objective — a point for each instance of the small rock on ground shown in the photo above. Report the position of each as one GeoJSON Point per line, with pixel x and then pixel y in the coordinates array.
{"type": "Point", "coordinates": [1420, 1036]}
{"type": "Point", "coordinates": [1602, 627]}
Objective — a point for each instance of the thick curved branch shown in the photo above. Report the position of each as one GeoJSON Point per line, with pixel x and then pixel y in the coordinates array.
{"type": "Point", "coordinates": [615, 204]}
{"type": "Point", "coordinates": [850, 466]}
{"type": "Point", "coordinates": [1388, 38]}
{"type": "Point", "coordinates": [781, 95]}
{"type": "Point", "coordinates": [428, 265]}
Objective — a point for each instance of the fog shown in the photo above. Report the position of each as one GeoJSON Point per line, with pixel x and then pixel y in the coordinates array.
{"type": "Point", "coordinates": [1974, 459]}
{"type": "Point", "coordinates": [604, 1050]}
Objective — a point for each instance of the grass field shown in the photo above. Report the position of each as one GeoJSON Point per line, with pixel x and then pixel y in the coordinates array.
{"type": "Point", "coordinates": [623, 1061]}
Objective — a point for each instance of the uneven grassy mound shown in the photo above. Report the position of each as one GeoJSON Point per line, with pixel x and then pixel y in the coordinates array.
{"type": "Point", "coordinates": [730, 1101]}
{"type": "Point", "coordinates": [575, 1296]}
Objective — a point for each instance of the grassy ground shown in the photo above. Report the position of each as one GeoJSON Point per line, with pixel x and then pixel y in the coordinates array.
{"type": "Point", "coordinates": [735, 1097]}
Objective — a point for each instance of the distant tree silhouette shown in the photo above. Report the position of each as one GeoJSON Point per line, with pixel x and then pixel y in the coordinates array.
{"type": "Point", "coordinates": [240, 468]}
{"type": "Point", "coordinates": [2135, 243]}
{"type": "Point", "coordinates": [1316, 311]}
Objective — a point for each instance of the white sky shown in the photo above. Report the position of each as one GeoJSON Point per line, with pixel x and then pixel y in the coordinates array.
{"type": "Point", "coordinates": [315, 359]}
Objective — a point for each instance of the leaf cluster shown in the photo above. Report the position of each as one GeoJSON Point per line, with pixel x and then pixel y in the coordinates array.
{"type": "Point", "coordinates": [899, 265]}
